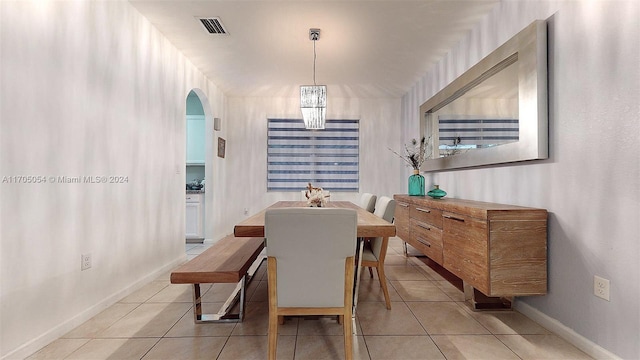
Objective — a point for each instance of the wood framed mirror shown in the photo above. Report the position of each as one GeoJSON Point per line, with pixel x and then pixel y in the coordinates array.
{"type": "Point", "coordinates": [494, 113]}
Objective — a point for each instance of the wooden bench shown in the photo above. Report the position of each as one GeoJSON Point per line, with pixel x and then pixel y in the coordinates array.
{"type": "Point", "coordinates": [230, 260]}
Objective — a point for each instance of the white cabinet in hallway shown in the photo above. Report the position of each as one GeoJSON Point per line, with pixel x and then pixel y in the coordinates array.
{"type": "Point", "coordinates": [194, 214]}
{"type": "Point", "coordinates": [195, 139]}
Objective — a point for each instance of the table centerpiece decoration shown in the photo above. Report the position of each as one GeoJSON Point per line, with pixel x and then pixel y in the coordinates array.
{"type": "Point", "coordinates": [315, 196]}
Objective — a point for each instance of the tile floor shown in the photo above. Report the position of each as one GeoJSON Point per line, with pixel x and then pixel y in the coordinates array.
{"type": "Point", "coordinates": [428, 320]}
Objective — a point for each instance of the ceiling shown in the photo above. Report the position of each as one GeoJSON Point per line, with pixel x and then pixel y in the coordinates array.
{"type": "Point", "coordinates": [367, 48]}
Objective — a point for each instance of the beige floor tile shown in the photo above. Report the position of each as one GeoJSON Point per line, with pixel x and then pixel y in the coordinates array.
{"type": "Point", "coordinates": [445, 318]}
{"type": "Point", "coordinates": [256, 322]}
{"type": "Point", "coordinates": [218, 292]}
{"type": "Point", "coordinates": [260, 291]}
{"type": "Point", "coordinates": [419, 291]}
{"type": "Point", "coordinates": [541, 347]}
{"type": "Point", "coordinates": [261, 273]}
{"type": "Point", "coordinates": [157, 320]}
{"type": "Point", "coordinates": [103, 320]}
{"type": "Point", "coordinates": [198, 249]}
{"type": "Point", "coordinates": [147, 320]}
{"type": "Point", "coordinates": [405, 273]}
{"type": "Point", "coordinates": [394, 259]}
{"type": "Point", "coordinates": [453, 292]}
{"type": "Point", "coordinates": [507, 323]}
{"type": "Point", "coordinates": [175, 293]}
{"type": "Point", "coordinates": [319, 347]}
{"type": "Point", "coordinates": [395, 245]}
{"type": "Point", "coordinates": [256, 347]}
{"type": "Point", "coordinates": [370, 290]}
{"type": "Point", "coordinates": [187, 327]}
{"type": "Point", "coordinates": [325, 325]}
{"type": "Point", "coordinates": [188, 348]}
{"type": "Point", "coordinates": [146, 292]}
{"type": "Point", "coordinates": [402, 347]}
{"type": "Point", "coordinates": [58, 349]}
{"type": "Point", "coordinates": [375, 319]}
{"type": "Point", "coordinates": [473, 347]}
{"type": "Point", "coordinates": [166, 276]}
{"type": "Point", "coordinates": [121, 349]}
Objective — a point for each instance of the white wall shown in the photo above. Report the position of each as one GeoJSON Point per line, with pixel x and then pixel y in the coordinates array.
{"type": "Point", "coordinates": [88, 89]}
{"type": "Point", "coordinates": [246, 181]}
{"type": "Point", "coordinates": [591, 183]}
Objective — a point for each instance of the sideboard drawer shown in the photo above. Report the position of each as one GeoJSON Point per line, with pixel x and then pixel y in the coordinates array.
{"type": "Point", "coordinates": [427, 231]}
{"type": "Point", "coordinates": [429, 240]}
{"type": "Point", "coordinates": [426, 214]}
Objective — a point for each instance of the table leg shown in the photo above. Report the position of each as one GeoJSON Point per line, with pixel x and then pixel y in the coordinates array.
{"type": "Point", "coordinates": [358, 271]}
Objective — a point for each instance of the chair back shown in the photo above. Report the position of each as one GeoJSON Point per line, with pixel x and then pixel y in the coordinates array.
{"type": "Point", "coordinates": [386, 209]}
{"type": "Point", "coordinates": [368, 202]}
{"type": "Point", "coordinates": [310, 246]}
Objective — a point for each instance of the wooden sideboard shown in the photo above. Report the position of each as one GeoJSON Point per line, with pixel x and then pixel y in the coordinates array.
{"type": "Point", "coordinates": [499, 250]}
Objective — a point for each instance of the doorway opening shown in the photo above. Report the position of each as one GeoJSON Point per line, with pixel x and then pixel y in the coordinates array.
{"type": "Point", "coordinates": [196, 155]}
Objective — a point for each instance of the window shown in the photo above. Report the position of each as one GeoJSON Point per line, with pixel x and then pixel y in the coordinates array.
{"type": "Point", "coordinates": [458, 132]}
{"type": "Point", "coordinates": [327, 158]}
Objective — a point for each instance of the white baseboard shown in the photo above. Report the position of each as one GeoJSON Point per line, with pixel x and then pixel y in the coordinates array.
{"type": "Point", "coordinates": [55, 333]}
{"type": "Point", "coordinates": [592, 349]}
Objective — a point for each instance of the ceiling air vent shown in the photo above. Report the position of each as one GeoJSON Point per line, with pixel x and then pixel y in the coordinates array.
{"type": "Point", "coordinates": [213, 25]}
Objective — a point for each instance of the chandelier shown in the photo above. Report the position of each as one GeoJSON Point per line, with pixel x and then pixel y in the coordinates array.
{"type": "Point", "coordinates": [313, 98]}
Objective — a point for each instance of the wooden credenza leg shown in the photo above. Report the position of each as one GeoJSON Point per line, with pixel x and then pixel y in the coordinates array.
{"type": "Point", "coordinates": [480, 301]}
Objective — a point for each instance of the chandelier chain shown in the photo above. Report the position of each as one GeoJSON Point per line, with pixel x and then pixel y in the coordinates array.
{"type": "Point", "coordinates": [314, 62]}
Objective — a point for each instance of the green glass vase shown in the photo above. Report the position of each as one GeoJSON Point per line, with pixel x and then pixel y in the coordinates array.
{"type": "Point", "coordinates": [436, 192]}
{"type": "Point", "coordinates": [416, 184]}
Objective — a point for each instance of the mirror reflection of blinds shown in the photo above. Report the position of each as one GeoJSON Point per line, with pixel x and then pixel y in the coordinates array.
{"type": "Point", "coordinates": [477, 132]}
{"type": "Point", "coordinates": [327, 158]}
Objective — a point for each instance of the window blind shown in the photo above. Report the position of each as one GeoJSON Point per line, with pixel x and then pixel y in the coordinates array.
{"type": "Point", "coordinates": [327, 158]}
{"type": "Point", "coordinates": [472, 132]}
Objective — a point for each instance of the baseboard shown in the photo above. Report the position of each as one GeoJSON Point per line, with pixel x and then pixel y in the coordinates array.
{"type": "Point", "coordinates": [592, 349]}
{"type": "Point", "coordinates": [55, 333]}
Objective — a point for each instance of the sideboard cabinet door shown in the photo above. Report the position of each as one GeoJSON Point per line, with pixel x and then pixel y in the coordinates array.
{"type": "Point", "coordinates": [465, 249]}
{"type": "Point", "coordinates": [401, 220]}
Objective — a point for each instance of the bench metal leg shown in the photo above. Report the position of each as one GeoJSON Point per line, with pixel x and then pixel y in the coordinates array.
{"type": "Point", "coordinates": [224, 315]}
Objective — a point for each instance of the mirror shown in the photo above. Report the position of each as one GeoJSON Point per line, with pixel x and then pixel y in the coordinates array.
{"type": "Point", "coordinates": [494, 113]}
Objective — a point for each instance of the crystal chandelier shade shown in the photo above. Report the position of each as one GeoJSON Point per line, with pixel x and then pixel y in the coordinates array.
{"type": "Point", "coordinates": [313, 104]}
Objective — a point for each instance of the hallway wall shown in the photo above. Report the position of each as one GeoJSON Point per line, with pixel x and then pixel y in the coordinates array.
{"type": "Point", "coordinates": [89, 89]}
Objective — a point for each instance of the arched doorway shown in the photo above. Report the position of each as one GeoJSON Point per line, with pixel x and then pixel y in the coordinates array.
{"type": "Point", "coordinates": [198, 117]}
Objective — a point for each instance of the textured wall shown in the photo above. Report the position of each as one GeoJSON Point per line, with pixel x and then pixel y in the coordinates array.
{"type": "Point", "coordinates": [88, 89]}
{"type": "Point", "coordinates": [591, 182]}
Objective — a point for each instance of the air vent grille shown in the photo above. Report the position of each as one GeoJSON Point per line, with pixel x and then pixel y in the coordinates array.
{"type": "Point", "coordinates": [213, 25]}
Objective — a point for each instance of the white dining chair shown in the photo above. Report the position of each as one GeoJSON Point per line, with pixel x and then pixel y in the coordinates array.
{"type": "Point", "coordinates": [310, 266]}
{"type": "Point", "coordinates": [375, 250]}
{"type": "Point", "coordinates": [368, 202]}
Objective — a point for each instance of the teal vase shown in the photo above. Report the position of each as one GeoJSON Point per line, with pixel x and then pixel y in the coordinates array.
{"type": "Point", "coordinates": [436, 192]}
{"type": "Point", "coordinates": [416, 184]}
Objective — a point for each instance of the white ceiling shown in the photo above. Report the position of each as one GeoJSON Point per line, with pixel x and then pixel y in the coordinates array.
{"type": "Point", "coordinates": [367, 48]}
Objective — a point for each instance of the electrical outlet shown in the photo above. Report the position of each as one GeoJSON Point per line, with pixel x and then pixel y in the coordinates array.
{"type": "Point", "coordinates": [85, 261]}
{"type": "Point", "coordinates": [246, 211]}
{"type": "Point", "coordinates": [601, 287]}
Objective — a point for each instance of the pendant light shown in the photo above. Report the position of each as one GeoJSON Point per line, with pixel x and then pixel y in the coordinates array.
{"type": "Point", "coordinates": [313, 98]}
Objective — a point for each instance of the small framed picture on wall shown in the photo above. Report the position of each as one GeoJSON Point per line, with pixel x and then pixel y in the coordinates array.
{"type": "Point", "coordinates": [222, 143]}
